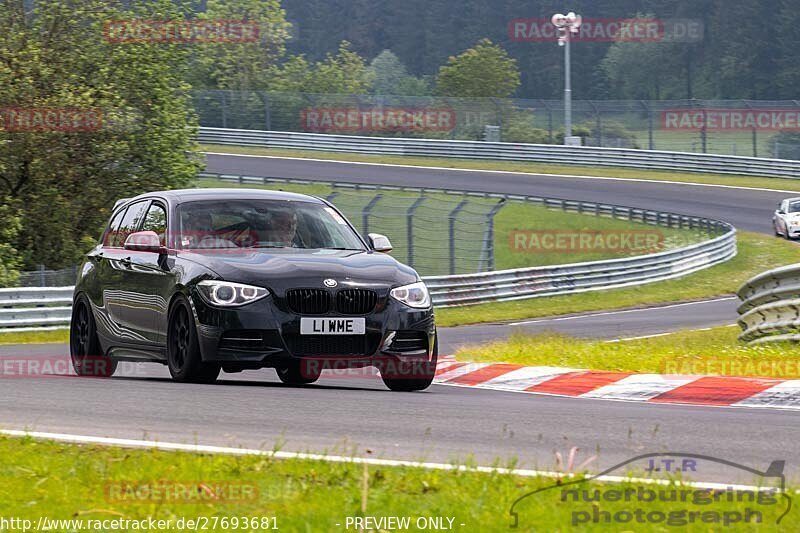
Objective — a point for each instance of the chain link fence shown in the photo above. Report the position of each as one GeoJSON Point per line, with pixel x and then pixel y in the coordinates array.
{"type": "Point", "coordinates": [732, 127]}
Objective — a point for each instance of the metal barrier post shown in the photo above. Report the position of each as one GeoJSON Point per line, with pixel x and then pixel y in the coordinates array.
{"type": "Point", "coordinates": [489, 240]}
{"type": "Point", "coordinates": [410, 228]}
{"type": "Point", "coordinates": [452, 220]}
{"type": "Point", "coordinates": [366, 211]}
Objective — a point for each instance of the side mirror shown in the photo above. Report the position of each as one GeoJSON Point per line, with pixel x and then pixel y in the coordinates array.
{"type": "Point", "coordinates": [144, 241]}
{"type": "Point", "coordinates": [380, 243]}
{"type": "Point", "coordinates": [780, 212]}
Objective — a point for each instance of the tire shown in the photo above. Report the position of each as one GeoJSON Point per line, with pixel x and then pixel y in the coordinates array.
{"type": "Point", "coordinates": [294, 372]}
{"type": "Point", "coordinates": [183, 349]}
{"type": "Point", "coordinates": [85, 351]}
{"type": "Point", "coordinates": [427, 371]}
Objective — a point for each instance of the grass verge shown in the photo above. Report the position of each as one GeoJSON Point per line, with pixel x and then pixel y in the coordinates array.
{"type": "Point", "coordinates": [757, 253]}
{"type": "Point", "coordinates": [532, 168]}
{"type": "Point", "coordinates": [35, 337]}
{"type": "Point", "coordinates": [713, 352]}
{"type": "Point", "coordinates": [90, 483]}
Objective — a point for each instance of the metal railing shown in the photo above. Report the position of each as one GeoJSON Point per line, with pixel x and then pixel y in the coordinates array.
{"type": "Point", "coordinates": [35, 308]}
{"type": "Point", "coordinates": [770, 309]}
{"type": "Point", "coordinates": [539, 153]}
{"type": "Point", "coordinates": [43, 308]}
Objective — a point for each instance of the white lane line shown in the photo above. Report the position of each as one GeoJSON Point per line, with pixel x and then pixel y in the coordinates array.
{"type": "Point", "coordinates": [784, 395]}
{"type": "Point", "coordinates": [203, 448]}
{"type": "Point", "coordinates": [511, 172]}
{"type": "Point", "coordinates": [622, 312]}
{"type": "Point", "coordinates": [640, 387]}
{"type": "Point", "coordinates": [525, 377]}
{"type": "Point", "coordinates": [460, 371]}
{"type": "Point", "coordinates": [669, 333]}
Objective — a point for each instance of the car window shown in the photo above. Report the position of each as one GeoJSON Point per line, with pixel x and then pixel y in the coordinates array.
{"type": "Point", "coordinates": [263, 224]}
{"type": "Point", "coordinates": [109, 236]}
{"type": "Point", "coordinates": [156, 220]}
{"type": "Point", "coordinates": [133, 216]}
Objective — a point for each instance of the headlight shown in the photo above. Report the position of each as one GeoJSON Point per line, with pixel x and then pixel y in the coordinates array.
{"type": "Point", "coordinates": [414, 295]}
{"type": "Point", "coordinates": [227, 294]}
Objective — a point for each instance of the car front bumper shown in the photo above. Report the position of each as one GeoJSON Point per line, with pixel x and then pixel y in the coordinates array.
{"type": "Point", "coordinates": [262, 334]}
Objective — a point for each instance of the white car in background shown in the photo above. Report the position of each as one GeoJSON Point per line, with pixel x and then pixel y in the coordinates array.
{"type": "Point", "coordinates": [786, 220]}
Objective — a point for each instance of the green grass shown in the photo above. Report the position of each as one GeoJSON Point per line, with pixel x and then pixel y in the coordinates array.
{"type": "Point", "coordinates": [431, 231]}
{"type": "Point", "coordinates": [534, 168]}
{"type": "Point", "coordinates": [60, 481]}
{"type": "Point", "coordinates": [713, 352]}
{"type": "Point", "coordinates": [35, 337]}
{"type": "Point", "coordinates": [757, 253]}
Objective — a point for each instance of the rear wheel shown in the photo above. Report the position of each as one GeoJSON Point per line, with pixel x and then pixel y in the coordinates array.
{"type": "Point", "coordinates": [396, 377]}
{"type": "Point", "coordinates": [294, 372]}
{"type": "Point", "coordinates": [183, 350]}
{"type": "Point", "coordinates": [84, 346]}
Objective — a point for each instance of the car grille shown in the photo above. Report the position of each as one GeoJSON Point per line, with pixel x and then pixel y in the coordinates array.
{"type": "Point", "coordinates": [321, 345]}
{"type": "Point", "coordinates": [355, 301]}
{"type": "Point", "coordinates": [318, 301]}
{"type": "Point", "coordinates": [308, 301]}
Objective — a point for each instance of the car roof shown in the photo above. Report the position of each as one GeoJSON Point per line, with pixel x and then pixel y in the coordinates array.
{"type": "Point", "coordinates": [794, 199]}
{"type": "Point", "coordinates": [177, 196]}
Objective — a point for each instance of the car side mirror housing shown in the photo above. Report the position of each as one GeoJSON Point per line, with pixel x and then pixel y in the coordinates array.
{"type": "Point", "coordinates": [145, 241]}
{"type": "Point", "coordinates": [380, 243]}
{"type": "Point", "coordinates": [780, 212]}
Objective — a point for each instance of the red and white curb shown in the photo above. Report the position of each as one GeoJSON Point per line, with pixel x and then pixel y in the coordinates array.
{"type": "Point", "coordinates": [719, 391]}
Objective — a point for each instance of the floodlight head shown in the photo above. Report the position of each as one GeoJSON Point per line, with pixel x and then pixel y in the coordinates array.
{"type": "Point", "coordinates": [570, 18]}
{"type": "Point", "coordinates": [559, 20]}
{"type": "Point", "coordinates": [577, 22]}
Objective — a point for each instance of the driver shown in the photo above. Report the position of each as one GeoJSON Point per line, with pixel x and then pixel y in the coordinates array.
{"type": "Point", "coordinates": [282, 228]}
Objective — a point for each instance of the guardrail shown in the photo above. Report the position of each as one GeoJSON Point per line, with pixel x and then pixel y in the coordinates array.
{"type": "Point", "coordinates": [35, 308]}
{"type": "Point", "coordinates": [770, 309]}
{"type": "Point", "coordinates": [539, 153]}
{"type": "Point", "coordinates": [43, 308]}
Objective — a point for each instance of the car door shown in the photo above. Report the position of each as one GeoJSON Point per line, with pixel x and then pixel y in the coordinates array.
{"type": "Point", "coordinates": [153, 278]}
{"type": "Point", "coordinates": [124, 304]}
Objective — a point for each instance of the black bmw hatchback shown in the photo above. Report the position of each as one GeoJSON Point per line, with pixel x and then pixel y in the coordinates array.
{"type": "Point", "coordinates": [204, 280]}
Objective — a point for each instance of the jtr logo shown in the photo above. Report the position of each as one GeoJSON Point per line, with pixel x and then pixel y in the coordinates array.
{"type": "Point", "coordinates": [671, 465]}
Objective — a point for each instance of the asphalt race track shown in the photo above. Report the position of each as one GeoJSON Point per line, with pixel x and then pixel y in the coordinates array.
{"type": "Point", "coordinates": [353, 415]}
{"type": "Point", "coordinates": [344, 416]}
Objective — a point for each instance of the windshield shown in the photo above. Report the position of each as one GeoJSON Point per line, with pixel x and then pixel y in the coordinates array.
{"type": "Point", "coordinates": [794, 207]}
{"type": "Point", "coordinates": [231, 224]}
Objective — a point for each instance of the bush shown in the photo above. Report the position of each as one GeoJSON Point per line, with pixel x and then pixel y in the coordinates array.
{"type": "Point", "coordinates": [10, 259]}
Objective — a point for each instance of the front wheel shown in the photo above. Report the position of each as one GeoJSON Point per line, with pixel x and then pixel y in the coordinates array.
{"type": "Point", "coordinates": [183, 349]}
{"type": "Point", "coordinates": [84, 346]}
{"type": "Point", "coordinates": [411, 376]}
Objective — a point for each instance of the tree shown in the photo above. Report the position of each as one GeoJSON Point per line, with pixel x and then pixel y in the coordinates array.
{"type": "Point", "coordinates": [482, 71]}
{"type": "Point", "coordinates": [343, 73]}
{"type": "Point", "coordinates": [64, 181]}
{"type": "Point", "coordinates": [242, 65]}
{"type": "Point", "coordinates": [390, 76]}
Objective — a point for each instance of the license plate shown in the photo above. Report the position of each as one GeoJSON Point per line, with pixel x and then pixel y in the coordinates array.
{"type": "Point", "coordinates": [332, 326]}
